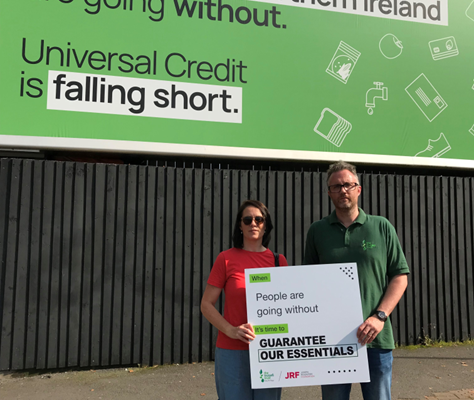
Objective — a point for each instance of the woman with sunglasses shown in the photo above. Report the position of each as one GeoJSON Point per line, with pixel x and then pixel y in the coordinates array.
{"type": "Point", "coordinates": [232, 367]}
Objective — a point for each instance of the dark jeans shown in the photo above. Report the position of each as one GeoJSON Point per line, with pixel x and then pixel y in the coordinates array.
{"type": "Point", "coordinates": [380, 367]}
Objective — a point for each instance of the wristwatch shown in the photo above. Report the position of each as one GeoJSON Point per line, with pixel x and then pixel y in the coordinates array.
{"type": "Point", "coordinates": [381, 315]}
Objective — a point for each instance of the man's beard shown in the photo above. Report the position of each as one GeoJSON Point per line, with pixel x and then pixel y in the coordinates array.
{"type": "Point", "coordinates": [345, 205]}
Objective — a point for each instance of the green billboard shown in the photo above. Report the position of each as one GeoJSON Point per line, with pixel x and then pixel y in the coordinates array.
{"type": "Point", "coordinates": [375, 81]}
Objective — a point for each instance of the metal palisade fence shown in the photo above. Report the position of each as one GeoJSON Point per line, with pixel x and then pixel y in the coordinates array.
{"type": "Point", "coordinates": [105, 265]}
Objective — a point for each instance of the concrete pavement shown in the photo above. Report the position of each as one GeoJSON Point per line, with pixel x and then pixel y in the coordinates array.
{"type": "Point", "coordinates": [443, 373]}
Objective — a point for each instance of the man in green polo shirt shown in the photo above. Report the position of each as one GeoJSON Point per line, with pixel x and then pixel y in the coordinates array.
{"type": "Point", "coordinates": [351, 235]}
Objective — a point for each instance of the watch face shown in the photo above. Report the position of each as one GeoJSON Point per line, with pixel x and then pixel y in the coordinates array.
{"type": "Point", "coordinates": [381, 315]}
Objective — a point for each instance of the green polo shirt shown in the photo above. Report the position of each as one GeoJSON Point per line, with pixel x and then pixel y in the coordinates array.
{"type": "Point", "coordinates": [372, 243]}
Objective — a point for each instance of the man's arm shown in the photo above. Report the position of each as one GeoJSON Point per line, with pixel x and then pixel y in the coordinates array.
{"type": "Point", "coordinates": [372, 326]}
{"type": "Point", "coordinates": [394, 293]}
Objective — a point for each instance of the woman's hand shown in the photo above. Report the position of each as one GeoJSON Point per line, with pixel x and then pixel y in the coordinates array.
{"type": "Point", "coordinates": [244, 333]}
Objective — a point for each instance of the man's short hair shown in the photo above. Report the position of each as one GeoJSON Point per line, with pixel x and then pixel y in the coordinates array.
{"type": "Point", "coordinates": [340, 166]}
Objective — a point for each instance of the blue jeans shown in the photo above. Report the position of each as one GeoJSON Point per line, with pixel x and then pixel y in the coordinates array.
{"type": "Point", "coordinates": [380, 368]}
{"type": "Point", "coordinates": [233, 378]}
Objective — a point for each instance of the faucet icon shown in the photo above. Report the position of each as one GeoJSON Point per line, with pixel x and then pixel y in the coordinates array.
{"type": "Point", "coordinates": [377, 92]}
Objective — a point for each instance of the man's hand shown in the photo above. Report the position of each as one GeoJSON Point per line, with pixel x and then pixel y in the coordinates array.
{"type": "Point", "coordinates": [369, 330]}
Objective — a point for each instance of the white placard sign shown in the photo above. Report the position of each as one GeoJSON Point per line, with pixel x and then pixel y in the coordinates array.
{"type": "Point", "coordinates": [306, 320]}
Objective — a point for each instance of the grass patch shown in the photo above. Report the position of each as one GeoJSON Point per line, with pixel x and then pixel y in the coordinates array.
{"type": "Point", "coordinates": [427, 342]}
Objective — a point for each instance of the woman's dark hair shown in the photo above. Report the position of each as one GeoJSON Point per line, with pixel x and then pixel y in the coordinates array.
{"type": "Point", "coordinates": [237, 237]}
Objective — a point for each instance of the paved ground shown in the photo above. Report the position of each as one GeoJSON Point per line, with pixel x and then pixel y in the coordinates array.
{"type": "Point", "coordinates": [421, 374]}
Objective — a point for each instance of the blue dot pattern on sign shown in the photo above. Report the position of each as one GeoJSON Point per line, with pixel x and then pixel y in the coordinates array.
{"type": "Point", "coordinates": [348, 271]}
{"type": "Point", "coordinates": [342, 372]}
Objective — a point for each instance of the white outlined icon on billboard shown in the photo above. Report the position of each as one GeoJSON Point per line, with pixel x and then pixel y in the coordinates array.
{"type": "Point", "coordinates": [436, 148]}
{"type": "Point", "coordinates": [390, 46]}
{"type": "Point", "coordinates": [443, 48]}
{"type": "Point", "coordinates": [470, 11]}
{"type": "Point", "coordinates": [343, 62]}
{"type": "Point", "coordinates": [332, 127]}
{"type": "Point", "coordinates": [426, 97]}
{"type": "Point", "coordinates": [378, 92]}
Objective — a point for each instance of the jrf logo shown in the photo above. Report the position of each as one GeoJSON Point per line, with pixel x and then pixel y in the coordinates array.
{"type": "Point", "coordinates": [292, 375]}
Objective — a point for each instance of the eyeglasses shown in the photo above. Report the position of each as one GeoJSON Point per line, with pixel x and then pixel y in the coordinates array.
{"type": "Point", "coordinates": [248, 220]}
{"type": "Point", "coordinates": [348, 186]}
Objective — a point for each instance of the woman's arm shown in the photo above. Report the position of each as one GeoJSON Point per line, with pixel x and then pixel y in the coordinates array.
{"type": "Point", "coordinates": [243, 332]}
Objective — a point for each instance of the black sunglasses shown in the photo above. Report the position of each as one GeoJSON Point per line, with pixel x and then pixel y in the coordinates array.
{"type": "Point", "coordinates": [248, 220]}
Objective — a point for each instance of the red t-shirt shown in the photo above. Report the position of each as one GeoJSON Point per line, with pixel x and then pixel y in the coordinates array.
{"type": "Point", "coordinates": [228, 273]}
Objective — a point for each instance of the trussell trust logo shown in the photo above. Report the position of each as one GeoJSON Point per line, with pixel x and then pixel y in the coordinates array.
{"type": "Point", "coordinates": [266, 376]}
{"type": "Point", "coordinates": [367, 245]}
